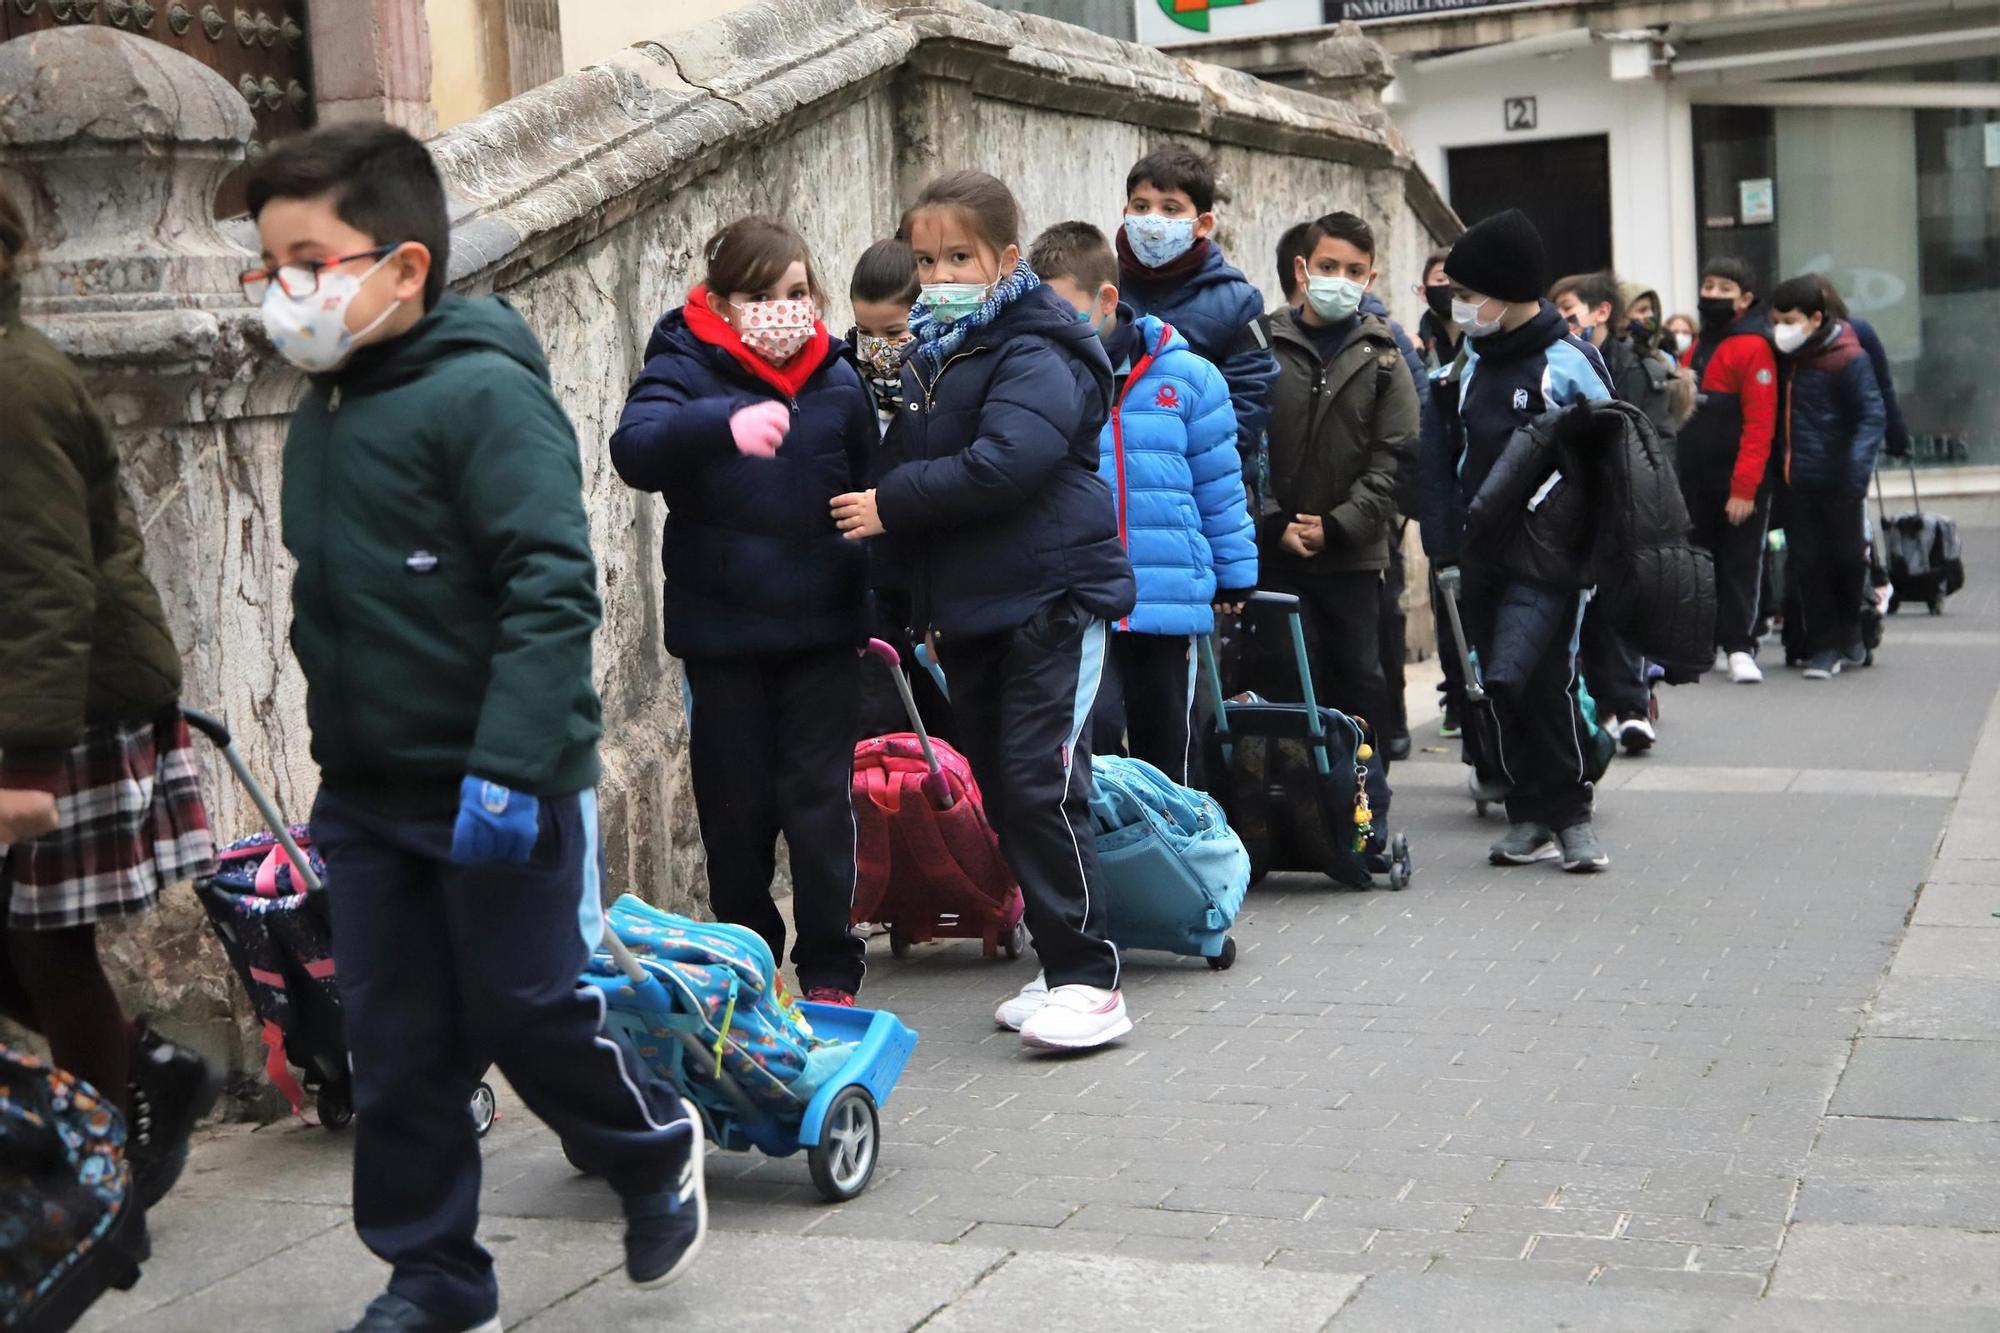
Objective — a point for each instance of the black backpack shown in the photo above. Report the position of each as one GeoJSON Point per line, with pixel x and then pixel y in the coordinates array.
{"type": "Point", "coordinates": [70, 1221]}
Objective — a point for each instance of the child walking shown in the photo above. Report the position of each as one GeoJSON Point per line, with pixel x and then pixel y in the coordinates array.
{"type": "Point", "coordinates": [443, 610]}
{"type": "Point", "coordinates": [1168, 453]}
{"type": "Point", "coordinates": [1017, 570]}
{"type": "Point", "coordinates": [749, 419]}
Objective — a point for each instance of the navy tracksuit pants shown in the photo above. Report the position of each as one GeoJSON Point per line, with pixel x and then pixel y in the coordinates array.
{"type": "Point", "coordinates": [1022, 699]}
{"type": "Point", "coordinates": [445, 970]}
{"type": "Point", "coordinates": [1145, 705]}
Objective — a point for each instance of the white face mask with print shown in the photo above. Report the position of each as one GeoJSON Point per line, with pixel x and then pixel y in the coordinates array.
{"type": "Point", "coordinates": [311, 331]}
{"type": "Point", "coordinates": [776, 330]}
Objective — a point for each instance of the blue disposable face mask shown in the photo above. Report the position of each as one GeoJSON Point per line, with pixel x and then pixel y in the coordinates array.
{"type": "Point", "coordinates": [1158, 240]}
{"type": "Point", "coordinates": [1333, 297]}
{"type": "Point", "coordinates": [953, 301]}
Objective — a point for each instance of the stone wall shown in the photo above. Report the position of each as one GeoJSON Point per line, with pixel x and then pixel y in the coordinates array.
{"type": "Point", "coordinates": [585, 201]}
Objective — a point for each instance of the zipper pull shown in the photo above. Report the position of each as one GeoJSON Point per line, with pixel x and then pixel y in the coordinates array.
{"type": "Point", "coordinates": [333, 400]}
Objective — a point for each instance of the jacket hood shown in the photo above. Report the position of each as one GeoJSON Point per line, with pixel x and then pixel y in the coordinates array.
{"type": "Point", "coordinates": [1841, 337]}
{"type": "Point", "coordinates": [1215, 271]}
{"type": "Point", "coordinates": [1042, 313]}
{"type": "Point", "coordinates": [1754, 322]}
{"type": "Point", "coordinates": [1367, 324]}
{"type": "Point", "coordinates": [456, 326]}
{"type": "Point", "coordinates": [1157, 337]}
{"type": "Point", "coordinates": [1538, 334]}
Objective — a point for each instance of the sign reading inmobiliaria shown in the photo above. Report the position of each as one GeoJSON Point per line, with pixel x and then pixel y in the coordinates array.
{"type": "Point", "coordinates": [1374, 11]}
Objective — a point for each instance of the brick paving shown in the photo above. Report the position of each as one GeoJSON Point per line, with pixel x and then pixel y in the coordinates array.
{"type": "Point", "coordinates": [1615, 1083]}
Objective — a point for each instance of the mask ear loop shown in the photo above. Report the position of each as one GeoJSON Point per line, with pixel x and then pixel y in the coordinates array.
{"type": "Point", "coordinates": [387, 310]}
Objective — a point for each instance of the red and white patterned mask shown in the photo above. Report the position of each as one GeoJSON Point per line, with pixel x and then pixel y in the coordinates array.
{"type": "Point", "coordinates": [776, 330]}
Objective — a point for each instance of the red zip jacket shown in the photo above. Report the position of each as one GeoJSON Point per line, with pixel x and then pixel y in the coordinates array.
{"type": "Point", "coordinates": [1736, 417]}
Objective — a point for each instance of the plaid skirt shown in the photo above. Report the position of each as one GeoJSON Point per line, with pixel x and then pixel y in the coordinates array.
{"type": "Point", "coordinates": [132, 822]}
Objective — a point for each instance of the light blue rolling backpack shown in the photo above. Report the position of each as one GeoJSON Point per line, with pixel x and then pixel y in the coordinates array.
{"type": "Point", "coordinates": [1173, 871]}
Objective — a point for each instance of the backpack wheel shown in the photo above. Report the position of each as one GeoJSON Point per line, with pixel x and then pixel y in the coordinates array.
{"type": "Point", "coordinates": [485, 1108]}
{"type": "Point", "coordinates": [1937, 606]}
{"type": "Point", "coordinates": [843, 1161]}
{"type": "Point", "coordinates": [1479, 807]}
{"type": "Point", "coordinates": [1401, 867]}
{"type": "Point", "coordinates": [1225, 960]}
{"type": "Point", "coordinates": [1017, 941]}
{"type": "Point", "coordinates": [336, 1106]}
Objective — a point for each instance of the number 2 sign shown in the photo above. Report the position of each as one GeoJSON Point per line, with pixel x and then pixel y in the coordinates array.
{"type": "Point", "coordinates": [1520, 113]}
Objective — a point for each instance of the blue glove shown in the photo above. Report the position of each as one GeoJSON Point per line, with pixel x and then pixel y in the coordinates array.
{"type": "Point", "coordinates": [494, 824]}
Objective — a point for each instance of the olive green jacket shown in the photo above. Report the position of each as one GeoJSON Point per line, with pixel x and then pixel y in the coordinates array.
{"type": "Point", "coordinates": [82, 635]}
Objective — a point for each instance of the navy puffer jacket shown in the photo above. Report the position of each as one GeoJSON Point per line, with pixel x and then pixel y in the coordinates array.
{"type": "Point", "coordinates": [1833, 419]}
{"type": "Point", "coordinates": [994, 497]}
{"type": "Point", "coordinates": [754, 563]}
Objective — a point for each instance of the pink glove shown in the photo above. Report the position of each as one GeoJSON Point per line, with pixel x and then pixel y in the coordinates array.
{"type": "Point", "coordinates": [760, 428]}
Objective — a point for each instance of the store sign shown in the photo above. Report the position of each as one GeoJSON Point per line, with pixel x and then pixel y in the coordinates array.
{"type": "Point", "coordinates": [1175, 22]}
{"type": "Point", "coordinates": [1376, 11]}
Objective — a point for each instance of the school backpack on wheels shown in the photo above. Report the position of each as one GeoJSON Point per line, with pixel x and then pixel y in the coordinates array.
{"type": "Point", "coordinates": [1302, 785]}
{"type": "Point", "coordinates": [71, 1225]}
{"type": "Point", "coordinates": [267, 906]}
{"type": "Point", "coordinates": [1172, 872]}
{"type": "Point", "coordinates": [927, 862]}
{"type": "Point", "coordinates": [1926, 557]}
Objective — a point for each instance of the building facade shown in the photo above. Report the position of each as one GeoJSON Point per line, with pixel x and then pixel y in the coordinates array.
{"type": "Point", "coordinates": [1859, 138]}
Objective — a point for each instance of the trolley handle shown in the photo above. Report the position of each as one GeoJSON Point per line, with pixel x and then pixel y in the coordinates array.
{"type": "Point", "coordinates": [217, 731]}
{"type": "Point", "coordinates": [208, 725]}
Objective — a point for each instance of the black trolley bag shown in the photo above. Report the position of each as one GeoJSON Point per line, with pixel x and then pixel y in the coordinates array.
{"type": "Point", "coordinates": [1480, 743]}
{"type": "Point", "coordinates": [1301, 784]}
{"type": "Point", "coordinates": [1926, 558]}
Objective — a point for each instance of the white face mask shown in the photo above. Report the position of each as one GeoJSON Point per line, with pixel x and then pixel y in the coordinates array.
{"type": "Point", "coordinates": [1790, 337]}
{"type": "Point", "coordinates": [1333, 297]}
{"type": "Point", "coordinates": [1158, 240]}
{"type": "Point", "coordinates": [1465, 314]}
{"type": "Point", "coordinates": [311, 332]}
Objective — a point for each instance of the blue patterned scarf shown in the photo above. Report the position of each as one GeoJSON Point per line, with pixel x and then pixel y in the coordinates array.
{"type": "Point", "coordinates": [937, 340]}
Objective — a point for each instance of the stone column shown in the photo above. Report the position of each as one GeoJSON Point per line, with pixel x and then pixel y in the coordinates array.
{"type": "Point", "coordinates": [372, 61]}
{"type": "Point", "coordinates": [1348, 66]}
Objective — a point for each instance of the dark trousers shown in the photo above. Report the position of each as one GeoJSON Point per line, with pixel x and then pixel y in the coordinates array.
{"type": "Point", "coordinates": [1613, 669]}
{"type": "Point", "coordinates": [771, 746]}
{"type": "Point", "coordinates": [1525, 638]}
{"type": "Point", "coordinates": [1738, 549]}
{"type": "Point", "coordinates": [445, 970]}
{"type": "Point", "coordinates": [1393, 641]}
{"type": "Point", "coordinates": [1826, 560]}
{"type": "Point", "coordinates": [1145, 707]}
{"type": "Point", "coordinates": [1022, 699]}
{"type": "Point", "coordinates": [1343, 617]}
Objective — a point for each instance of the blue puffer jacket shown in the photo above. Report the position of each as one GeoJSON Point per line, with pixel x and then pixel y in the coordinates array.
{"type": "Point", "coordinates": [754, 563]}
{"type": "Point", "coordinates": [1222, 317]}
{"type": "Point", "coordinates": [1168, 453]}
{"type": "Point", "coordinates": [994, 497]}
{"type": "Point", "coordinates": [1833, 419]}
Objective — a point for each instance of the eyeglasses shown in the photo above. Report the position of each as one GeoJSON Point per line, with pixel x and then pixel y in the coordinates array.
{"type": "Point", "coordinates": [300, 278]}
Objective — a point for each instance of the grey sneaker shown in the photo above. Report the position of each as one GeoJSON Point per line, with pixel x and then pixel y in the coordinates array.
{"type": "Point", "coordinates": [1524, 845]}
{"type": "Point", "coordinates": [1824, 666]}
{"type": "Point", "coordinates": [1581, 853]}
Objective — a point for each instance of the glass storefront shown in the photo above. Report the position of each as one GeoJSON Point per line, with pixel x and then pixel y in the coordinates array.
{"type": "Point", "coordinates": [1901, 207]}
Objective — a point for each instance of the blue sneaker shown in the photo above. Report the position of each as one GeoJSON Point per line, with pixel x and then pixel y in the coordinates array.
{"type": "Point", "coordinates": [390, 1313]}
{"type": "Point", "coordinates": [664, 1231]}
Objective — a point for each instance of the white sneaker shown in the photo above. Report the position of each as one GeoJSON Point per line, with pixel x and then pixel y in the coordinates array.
{"type": "Point", "coordinates": [1020, 1008]}
{"type": "Point", "coordinates": [1077, 1018]}
{"type": "Point", "coordinates": [1743, 670]}
{"type": "Point", "coordinates": [1637, 735]}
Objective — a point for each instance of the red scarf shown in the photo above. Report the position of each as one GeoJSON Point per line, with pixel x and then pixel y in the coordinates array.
{"type": "Point", "coordinates": [1173, 272]}
{"type": "Point", "coordinates": [714, 330]}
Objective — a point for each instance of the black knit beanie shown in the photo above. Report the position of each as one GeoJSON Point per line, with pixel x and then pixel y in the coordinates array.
{"type": "Point", "coordinates": [1500, 256]}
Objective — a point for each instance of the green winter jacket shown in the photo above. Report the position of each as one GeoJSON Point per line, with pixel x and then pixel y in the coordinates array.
{"type": "Point", "coordinates": [82, 637]}
{"type": "Point", "coordinates": [446, 595]}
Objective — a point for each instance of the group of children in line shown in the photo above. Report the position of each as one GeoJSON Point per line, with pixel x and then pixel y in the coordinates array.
{"type": "Point", "coordinates": [1051, 462]}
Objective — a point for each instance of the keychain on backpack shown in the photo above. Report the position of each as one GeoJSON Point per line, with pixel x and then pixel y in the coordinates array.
{"type": "Point", "coordinates": [1364, 818]}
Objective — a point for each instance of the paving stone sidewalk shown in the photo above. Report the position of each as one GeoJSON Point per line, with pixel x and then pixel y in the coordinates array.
{"type": "Point", "coordinates": [1749, 1079]}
